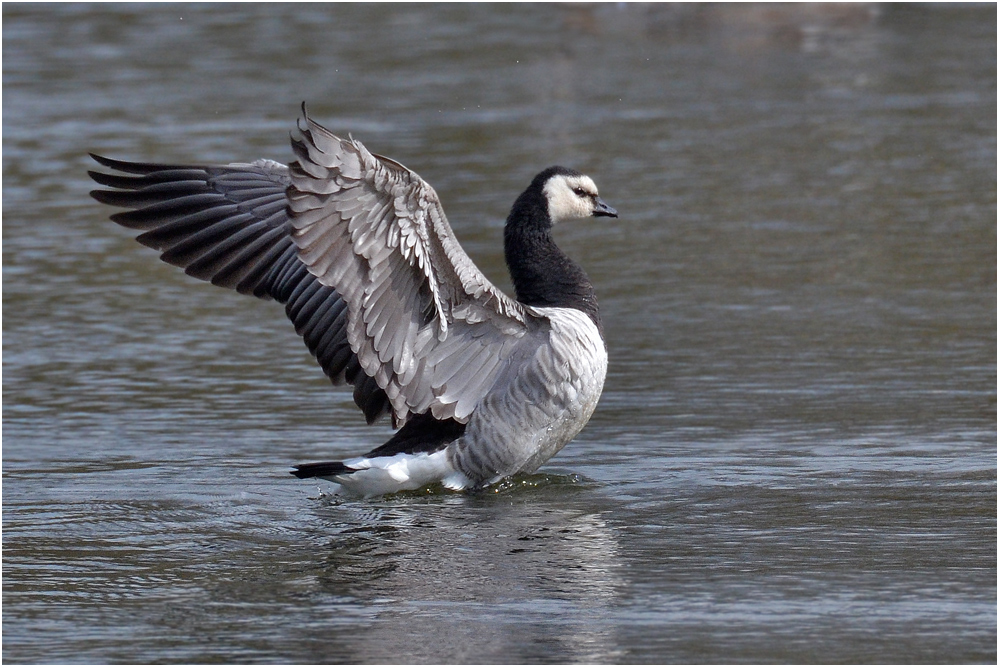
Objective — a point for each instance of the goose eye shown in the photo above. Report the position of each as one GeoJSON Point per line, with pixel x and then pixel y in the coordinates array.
{"type": "Point", "coordinates": [580, 192]}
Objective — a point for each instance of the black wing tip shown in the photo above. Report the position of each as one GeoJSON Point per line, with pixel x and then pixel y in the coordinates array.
{"type": "Point", "coordinates": [100, 159]}
{"type": "Point", "coordinates": [143, 168]}
{"type": "Point", "coordinates": [102, 196]}
{"type": "Point", "coordinates": [321, 470]}
{"type": "Point", "coordinates": [126, 166]}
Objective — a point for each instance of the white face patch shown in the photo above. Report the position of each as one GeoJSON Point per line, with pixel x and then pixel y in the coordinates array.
{"type": "Point", "coordinates": [570, 197]}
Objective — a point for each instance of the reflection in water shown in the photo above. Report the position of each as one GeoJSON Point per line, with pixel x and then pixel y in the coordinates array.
{"type": "Point", "coordinates": [526, 575]}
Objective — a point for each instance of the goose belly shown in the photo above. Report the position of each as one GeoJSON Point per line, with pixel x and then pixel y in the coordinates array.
{"type": "Point", "coordinates": [540, 406]}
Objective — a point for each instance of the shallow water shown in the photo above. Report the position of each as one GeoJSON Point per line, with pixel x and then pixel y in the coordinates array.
{"type": "Point", "coordinates": [795, 456]}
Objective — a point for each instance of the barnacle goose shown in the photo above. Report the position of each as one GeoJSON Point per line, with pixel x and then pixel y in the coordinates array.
{"type": "Point", "coordinates": [357, 248]}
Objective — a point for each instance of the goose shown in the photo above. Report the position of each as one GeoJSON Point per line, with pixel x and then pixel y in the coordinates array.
{"type": "Point", "coordinates": [477, 385]}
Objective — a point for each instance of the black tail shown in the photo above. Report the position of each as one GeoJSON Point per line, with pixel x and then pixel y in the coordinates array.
{"type": "Point", "coordinates": [421, 433]}
{"type": "Point", "coordinates": [320, 469]}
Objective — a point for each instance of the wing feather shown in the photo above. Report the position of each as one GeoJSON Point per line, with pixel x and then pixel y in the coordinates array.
{"type": "Point", "coordinates": [228, 224]}
{"type": "Point", "coordinates": [425, 323]}
{"type": "Point", "coordinates": [358, 249]}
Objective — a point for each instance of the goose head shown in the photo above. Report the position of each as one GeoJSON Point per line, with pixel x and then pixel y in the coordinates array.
{"type": "Point", "coordinates": [571, 195]}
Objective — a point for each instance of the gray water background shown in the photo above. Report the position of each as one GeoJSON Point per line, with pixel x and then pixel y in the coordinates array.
{"type": "Point", "coordinates": [795, 456]}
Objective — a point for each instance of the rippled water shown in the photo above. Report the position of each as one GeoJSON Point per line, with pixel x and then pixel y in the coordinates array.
{"type": "Point", "coordinates": [795, 456]}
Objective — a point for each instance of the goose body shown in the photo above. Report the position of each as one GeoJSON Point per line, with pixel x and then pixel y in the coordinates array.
{"type": "Point", "coordinates": [357, 247]}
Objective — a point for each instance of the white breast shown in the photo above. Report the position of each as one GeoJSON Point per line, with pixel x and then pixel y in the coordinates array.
{"type": "Point", "coordinates": [540, 406]}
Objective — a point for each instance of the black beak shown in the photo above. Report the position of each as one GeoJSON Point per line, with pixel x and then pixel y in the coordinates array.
{"type": "Point", "coordinates": [601, 208]}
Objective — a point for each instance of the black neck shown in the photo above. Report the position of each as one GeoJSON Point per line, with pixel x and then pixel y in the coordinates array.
{"type": "Point", "coordinates": [542, 274]}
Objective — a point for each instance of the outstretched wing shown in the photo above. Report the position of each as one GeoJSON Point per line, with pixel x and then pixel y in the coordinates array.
{"type": "Point", "coordinates": [229, 225]}
{"type": "Point", "coordinates": [425, 323]}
